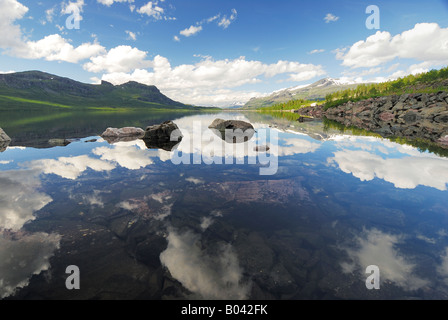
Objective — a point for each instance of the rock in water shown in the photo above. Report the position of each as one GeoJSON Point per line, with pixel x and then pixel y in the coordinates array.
{"type": "Point", "coordinates": [113, 135]}
{"type": "Point", "coordinates": [232, 131]}
{"type": "Point", "coordinates": [230, 124]}
{"type": "Point", "coordinates": [3, 136]}
{"type": "Point", "coordinates": [166, 136]}
{"type": "Point", "coordinates": [4, 140]}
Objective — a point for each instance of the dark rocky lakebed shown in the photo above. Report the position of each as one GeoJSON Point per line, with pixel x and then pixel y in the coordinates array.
{"type": "Point", "coordinates": [139, 226]}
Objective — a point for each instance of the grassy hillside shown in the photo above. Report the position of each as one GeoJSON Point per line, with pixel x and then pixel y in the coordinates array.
{"type": "Point", "coordinates": [290, 105]}
{"type": "Point", "coordinates": [37, 90]}
{"type": "Point", "coordinates": [432, 81]}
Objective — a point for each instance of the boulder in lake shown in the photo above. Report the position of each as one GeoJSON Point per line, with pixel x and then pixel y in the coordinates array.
{"type": "Point", "coordinates": [232, 131]}
{"type": "Point", "coordinates": [113, 135]}
{"type": "Point", "coordinates": [4, 140]}
{"type": "Point", "coordinates": [3, 136]}
{"type": "Point", "coordinates": [166, 136]}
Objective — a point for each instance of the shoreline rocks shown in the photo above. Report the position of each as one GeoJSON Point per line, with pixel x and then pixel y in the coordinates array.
{"type": "Point", "coordinates": [419, 115]}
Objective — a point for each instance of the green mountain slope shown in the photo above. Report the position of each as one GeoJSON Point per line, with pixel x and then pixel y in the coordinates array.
{"type": "Point", "coordinates": [316, 91]}
{"type": "Point", "coordinates": [35, 89]}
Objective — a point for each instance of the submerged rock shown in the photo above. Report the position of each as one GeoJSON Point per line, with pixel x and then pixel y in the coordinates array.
{"type": "Point", "coordinates": [232, 131]}
{"type": "Point", "coordinates": [59, 142]}
{"type": "Point", "coordinates": [113, 135]}
{"type": "Point", "coordinates": [166, 136]}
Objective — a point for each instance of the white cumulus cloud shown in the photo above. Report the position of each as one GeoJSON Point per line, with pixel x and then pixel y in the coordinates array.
{"type": "Point", "coordinates": [192, 30]}
{"type": "Point", "coordinates": [118, 59]}
{"type": "Point", "coordinates": [208, 80]}
{"type": "Point", "coordinates": [330, 18]}
{"type": "Point", "coordinates": [425, 42]}
{"type": "Point", "coordinates": [152, 9]}
{"type": "Point", "coordinates": [111, 2]}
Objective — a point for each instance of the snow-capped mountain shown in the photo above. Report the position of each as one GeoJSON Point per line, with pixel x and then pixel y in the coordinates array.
{"type": "Point", "coordinates": [317, 90]}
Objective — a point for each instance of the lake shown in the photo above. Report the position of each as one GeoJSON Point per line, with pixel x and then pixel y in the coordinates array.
{"type": "Point", "coordinates": [322, 214]}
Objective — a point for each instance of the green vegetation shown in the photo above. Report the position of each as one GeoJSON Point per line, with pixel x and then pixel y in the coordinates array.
{"type": "Point", "coordinates": [7, 99]}
{"type": "Point", "coordinates": [422, 83]}
{"type": "Point", "coordinates": [286, 115]}
{"type": "Point", "coordinates": [290, 105]}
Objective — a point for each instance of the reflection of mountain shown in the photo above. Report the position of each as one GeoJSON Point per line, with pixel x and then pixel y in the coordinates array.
{"type": "Point", "coordinates": [37, 128]}
{"type": "Point", "coordinates": [314, 129]}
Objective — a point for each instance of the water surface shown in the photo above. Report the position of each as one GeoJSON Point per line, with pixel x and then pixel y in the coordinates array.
{"type": "Point", "coordinates": [140, 226]}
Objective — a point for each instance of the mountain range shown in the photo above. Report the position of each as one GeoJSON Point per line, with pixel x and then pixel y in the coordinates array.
{"type": "Point", "coordinates": [36, 89]}
{"type": "Point", "coordinates": [315, 91]}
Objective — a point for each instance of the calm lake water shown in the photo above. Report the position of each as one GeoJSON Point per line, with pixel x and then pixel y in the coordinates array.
{"type": "Point", "coordinates": [140, 225]}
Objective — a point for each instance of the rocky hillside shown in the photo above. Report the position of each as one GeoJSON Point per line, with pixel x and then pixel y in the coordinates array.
{"type": "Point", "coordinates": [44, 87]}
{"type": "Point", "coordinates": [315, 91]}
{"type": "Point", "coordinates": [419, 115]}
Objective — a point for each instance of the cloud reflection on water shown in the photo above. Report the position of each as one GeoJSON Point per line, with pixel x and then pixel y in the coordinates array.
{"type": "Point", "coordinates": [407, 171]}
{"type": "Point", "coordinates": [22, 254]}
{"type": "Point", "coordinates": [374, 247]}
{"type": "Point", "coordinates": [211, 274]}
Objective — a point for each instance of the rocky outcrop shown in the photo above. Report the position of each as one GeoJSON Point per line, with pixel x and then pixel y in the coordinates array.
{"type": "Point", "coordinates": [419, 115]}
{"type": "Point", "coordinates": [4, 140]}
{"type": "Point", "coordinates": [113, 135]}
{"type": "Point", "coordinates": [314, 112]}
{"type": "Point", "coordinates": [232, 131]}
{"type": "Point", "coordinates": [164, 136]}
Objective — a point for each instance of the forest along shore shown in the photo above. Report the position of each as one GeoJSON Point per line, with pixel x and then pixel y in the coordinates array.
{"type": "Point", "coordinates": [418, 115]}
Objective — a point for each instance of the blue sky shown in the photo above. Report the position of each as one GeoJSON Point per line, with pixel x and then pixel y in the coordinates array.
{"type": "Point", "coordinates": [219, 52]}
